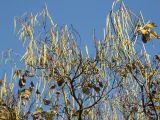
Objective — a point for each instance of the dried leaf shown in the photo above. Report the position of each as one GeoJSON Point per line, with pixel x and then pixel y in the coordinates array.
{"type": "Point", "coordinates": [60, 82]}
{"type": "Point", "coordinates": [1, 82]}
{"type": "Point", "coordinates": [58, 92]}
{"type": "Point", "coordinates": [145, 38]}
{"type": "Point", "coordinates": [52, 87]}
{"type": "Point", "coordinates": [86, 90]}
{"type": "Point", "coordinates": [22, 82]}
{"type": "Point", "coordinates": [31, 85]}
{"type": "Point", "coordinates": [38, 92]}
{"type": "Point", "coordinates": [46, 102]}
{"type": "Point", "coordinates": [97, 89]}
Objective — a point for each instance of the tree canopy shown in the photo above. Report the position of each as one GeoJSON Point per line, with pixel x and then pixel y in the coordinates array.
{"type": "Point", "coordinates": [56, 79]}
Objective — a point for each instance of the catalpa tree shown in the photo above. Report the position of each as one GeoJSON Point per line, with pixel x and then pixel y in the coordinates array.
{"type": "Point", "coordinates": [60, 80]}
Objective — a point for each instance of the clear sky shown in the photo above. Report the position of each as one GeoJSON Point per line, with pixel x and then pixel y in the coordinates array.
{"type": "Point", "coordinates": [84, 15]}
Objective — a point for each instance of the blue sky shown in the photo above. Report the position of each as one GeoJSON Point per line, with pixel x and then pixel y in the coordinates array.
{"type": "Point", "coordinates": [84, 15]}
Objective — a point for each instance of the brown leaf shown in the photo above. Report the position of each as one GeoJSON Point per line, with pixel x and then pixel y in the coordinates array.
{"type": "Point", "coordinates": [1, 82]}
{"type": "Point", "coordinates": [38, 92]}
{"type": "Point", "coordinates": [22, 82]}
{"type": "Point", "coordinates": [145, 38]}
{"type": "Point", "coordinates": [52, 87]}
{"type": "Point", "coordinates": [85, 90]}
{"type": "Point", "coordinates": [58, 92]}
{"type": "Point", "coordinates": [28, 74]}
{"type": "Point", "coordinates": [46, 101]}
{"type": "Point", "coordinates": [60, 82]}
{"type": "Point", "coordinates": [157, 57]}
{"type": "Point", "coordinates": [32, 85]}
{"type": "Point", "coordinates": [100, 83]}
{"type": "Point", "coordinates": [97, 89]}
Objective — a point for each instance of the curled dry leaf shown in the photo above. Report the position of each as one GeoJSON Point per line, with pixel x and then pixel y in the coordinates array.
{"type": "Point", "coordinates": [22, 82]}
{"type": "Point", "coordinates": [157, 57]}
{"type": "Point", "coordinates": [46, 101]}
{"type": "Point", "coordinates": [86, 90]}
{"type": "Point", "coordinates": [58, 92]}
{"type": "Point", "coordinates": [60, 82]}
{"type": "Point", "coordinates": [28, 74]}
{"type": "Point", "coordinates": [52, 87]}
{"type": "Point", "coordinates": [31, 85]}
{"type": "Point", "coordinates": [38, 92]}
{"type": "Point", "coordinates": [145, 38]}
{"type": "Point", "coordinates": [97, 89]}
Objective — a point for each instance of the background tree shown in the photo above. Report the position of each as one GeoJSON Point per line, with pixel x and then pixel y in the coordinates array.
{"type": "Point", "coordinates": [60, 80]}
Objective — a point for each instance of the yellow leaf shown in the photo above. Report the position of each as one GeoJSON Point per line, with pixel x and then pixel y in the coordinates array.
{"type": "Point", "coordinates": [26, 91]}
{"type": "Point", "coordinates": [143, 30]}
{"type": "Point", "coordinates": [153, 34]}
{"type": "Point", "coordinates": [149, 25]}
{"type": "Point", "coordinates": [39, 109]}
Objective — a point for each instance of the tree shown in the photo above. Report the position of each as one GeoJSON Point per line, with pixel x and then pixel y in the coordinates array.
{"type": "Point", "coordinates": [60, 80]}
